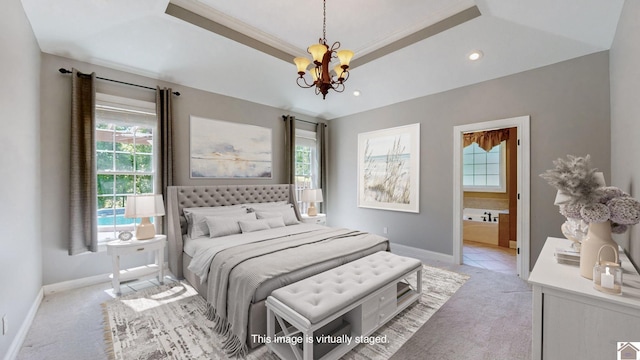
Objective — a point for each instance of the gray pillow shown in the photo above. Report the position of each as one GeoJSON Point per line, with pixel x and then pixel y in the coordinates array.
{"type": "Point", "coordinates": [254, 225]}
{"type": "Point", "coordinates": [287, 213]}
{"type": "Point", "coordinates": [196, 217]}
{"type": "Point", "coordinates": [226, 225]}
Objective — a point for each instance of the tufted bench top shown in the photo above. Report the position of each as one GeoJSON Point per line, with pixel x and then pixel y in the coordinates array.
{"type": "Point", "coordinates": [321, 295]}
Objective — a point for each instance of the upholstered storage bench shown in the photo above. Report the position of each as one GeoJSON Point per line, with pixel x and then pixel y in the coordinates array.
{"type": "Point", "coordinates": [317, 314]}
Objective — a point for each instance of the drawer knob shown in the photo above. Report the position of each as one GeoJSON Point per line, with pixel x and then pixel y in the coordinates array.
{"type": "Point", "coordinates": [139, 249]}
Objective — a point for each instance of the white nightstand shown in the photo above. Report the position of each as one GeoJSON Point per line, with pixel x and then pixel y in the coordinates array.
{"type": "Point", "coordinates": [118, 248]}
{"type": "Point", "coordinates": [320, 219]}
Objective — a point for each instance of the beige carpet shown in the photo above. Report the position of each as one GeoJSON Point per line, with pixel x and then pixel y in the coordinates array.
{"type": "Point", "coordinates": [168, 322]}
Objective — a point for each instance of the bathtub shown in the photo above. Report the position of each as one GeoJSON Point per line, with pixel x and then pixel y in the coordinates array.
{"type": "Point", "coordinates": [481, 225]}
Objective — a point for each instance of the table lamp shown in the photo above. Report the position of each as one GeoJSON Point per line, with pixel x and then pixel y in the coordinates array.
{"type": "Point", "coordinates": [312, 196]}
{"type": "Point", "coordinates": [144, 206]}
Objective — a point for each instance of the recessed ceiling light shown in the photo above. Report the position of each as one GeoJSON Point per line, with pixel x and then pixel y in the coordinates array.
{"type": "Point", "coordinates": [356, 92]}
{"type": "Point", "coordinates": [475, 55]}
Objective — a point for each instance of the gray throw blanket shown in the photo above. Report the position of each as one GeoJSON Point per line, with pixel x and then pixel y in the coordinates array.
{"type": "Point", "coordinates": [236, 273]}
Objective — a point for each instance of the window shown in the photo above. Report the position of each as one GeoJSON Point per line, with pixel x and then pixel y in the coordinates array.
{"type": "Point", "coordinates": [126, 155]}
{"type": "Point", "coordinates": [307, 168]}
{"type": "Point", "coordinates": [484, 171]}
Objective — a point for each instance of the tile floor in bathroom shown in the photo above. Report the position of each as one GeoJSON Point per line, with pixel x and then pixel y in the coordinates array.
{"type": "Point", "coordinates": [490, 257]}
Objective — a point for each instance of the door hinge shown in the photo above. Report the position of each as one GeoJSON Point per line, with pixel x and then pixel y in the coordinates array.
{"type": "Point", "coordinates": [518, 251]}
{"type": "Point", "coordinates": [518, 196]}
{"type": "Point", "coordinates": [518, 142]}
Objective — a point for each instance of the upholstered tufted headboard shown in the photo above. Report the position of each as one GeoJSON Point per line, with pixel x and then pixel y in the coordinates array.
{"type": "Point", "coordinates": [180, 197]}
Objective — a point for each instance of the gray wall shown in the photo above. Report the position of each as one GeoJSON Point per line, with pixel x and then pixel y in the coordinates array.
{"type": "Point", "coordinates": [57, 265]}
{"type": "Point", "coordinates": [20, 249]}
{"type": "Point", "coordinates": [569, 107]}
{"type": "Point", "coordinates": [625, 113]}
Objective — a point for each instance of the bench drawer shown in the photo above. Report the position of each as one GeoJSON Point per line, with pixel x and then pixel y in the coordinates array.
{"type": "Point", "coordinates": [378, 309]}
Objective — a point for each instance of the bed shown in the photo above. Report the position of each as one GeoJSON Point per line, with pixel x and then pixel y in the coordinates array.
{"type": "Point", "coordinates": [235, 272]}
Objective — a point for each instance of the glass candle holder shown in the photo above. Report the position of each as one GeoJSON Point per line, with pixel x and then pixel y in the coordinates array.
{"type": "Point", "coordinates": [607, 275]}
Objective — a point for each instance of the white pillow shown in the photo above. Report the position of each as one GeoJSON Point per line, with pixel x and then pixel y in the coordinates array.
{"type": "Point", "coordinates": [266, 205]}
{"type": "Point", "coordinates": [212, 210]}
{"type": "Point", "coordinates": [196, 217]}
{"type": "Point", "coordinates": [254, 225]}
{"type": "Point", "coordinates": [287, 213]}
{"type": "Point", "coordinates": [226, 225]}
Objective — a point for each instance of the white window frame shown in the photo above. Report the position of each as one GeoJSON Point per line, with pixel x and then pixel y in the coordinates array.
{"type": "Point", "coordinates": [307, 138]}
{"type": "Point", "coordinates": [502, 188]}
{"type": "Point", "coordinates": [106, 101]}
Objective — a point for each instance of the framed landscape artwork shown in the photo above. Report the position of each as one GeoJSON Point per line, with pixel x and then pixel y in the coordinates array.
{"type": "Point", "coordinates": [389, 169]}
{"type": "Point", "coordinates": [222, 149]}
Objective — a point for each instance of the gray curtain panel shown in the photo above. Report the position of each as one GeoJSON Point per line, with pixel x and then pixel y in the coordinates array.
{"type": "Point", "coordinates": [290, 148]}
{"type": "Point", "coordinates": [164, 112]}
{"type": "Point", "coordinates": [83, 235]}
{"type": "Point", "coordinates": [321, 138]}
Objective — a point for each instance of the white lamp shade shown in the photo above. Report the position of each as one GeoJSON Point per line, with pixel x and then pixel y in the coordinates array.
{"type": "Point", "coordinates": [600, 178]}
{"type": "Point", "coordinates": [312, 195]}
{"type": "Point", "coordinates": [139, 206]}
{"type": "Point", "coordinates": [561, 198]}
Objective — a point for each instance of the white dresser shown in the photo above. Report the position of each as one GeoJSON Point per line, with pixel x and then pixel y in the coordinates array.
{"type": "Point", "coordinates": [572, 320]}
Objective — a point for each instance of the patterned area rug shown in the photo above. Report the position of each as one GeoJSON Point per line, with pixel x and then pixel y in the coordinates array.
{"type": "Point", "coordinates": [168, 322]}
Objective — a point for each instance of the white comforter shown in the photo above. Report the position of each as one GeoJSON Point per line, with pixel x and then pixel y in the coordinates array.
{"type": "Point", "coordinates": [204, 249]}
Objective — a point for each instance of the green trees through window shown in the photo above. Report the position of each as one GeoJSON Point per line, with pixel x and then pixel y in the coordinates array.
{"type": "Point", "coordinates": [124, 163]}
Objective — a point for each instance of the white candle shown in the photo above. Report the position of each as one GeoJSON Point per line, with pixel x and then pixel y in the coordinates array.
{"type": "Point", "coordinates": [606, 280]}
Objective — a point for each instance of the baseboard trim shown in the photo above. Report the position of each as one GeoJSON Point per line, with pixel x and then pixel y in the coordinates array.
{"type": "Point", "coordinates": [21, 335]}
{"type": "Point", "coordinates": [87, 281]}
{"type": "Point", "coordinates": [421, 254]}
{"type": "Point", "coordinates": [75, 283]}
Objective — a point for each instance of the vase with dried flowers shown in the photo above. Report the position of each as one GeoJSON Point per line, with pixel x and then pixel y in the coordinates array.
{"type": "Point", "coordinates": [583, 197]}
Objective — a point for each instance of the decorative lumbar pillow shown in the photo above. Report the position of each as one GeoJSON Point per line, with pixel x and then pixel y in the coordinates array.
{"type": "Point", "coordinates": [226, 225]}
{"type": "Point", "coordinates": [275, 222]}
{"type": "Point", "coordinates": [196, 217]}
{"type": "Point", "coordinates": [253, 225]}
{"type": "Point", "coordinates": [287, 213]}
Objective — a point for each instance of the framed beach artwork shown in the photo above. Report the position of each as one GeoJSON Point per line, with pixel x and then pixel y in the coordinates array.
{"type": "Point", "coordinates": [222, 149]}
{"type": "Point", "coordinates": [389, 169]}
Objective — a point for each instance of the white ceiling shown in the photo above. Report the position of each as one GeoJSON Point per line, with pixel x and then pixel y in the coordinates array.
{"type": "Point", "coordinates": [139, 37]}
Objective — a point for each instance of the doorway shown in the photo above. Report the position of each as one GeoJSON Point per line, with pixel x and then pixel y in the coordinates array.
{"type": "Point", "coordinates": [521, 206]}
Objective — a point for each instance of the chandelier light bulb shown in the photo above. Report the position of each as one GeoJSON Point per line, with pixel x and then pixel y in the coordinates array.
{"type": "Point", "coordinates": [317, 52]}
{"type": "Point", "coordinates": [345, 57]}
{"type": "Point", "coordinates": [301, 64]}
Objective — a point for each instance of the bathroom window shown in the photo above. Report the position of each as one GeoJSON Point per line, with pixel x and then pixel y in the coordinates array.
{"type": "Point", "coordinates": [484, 171]}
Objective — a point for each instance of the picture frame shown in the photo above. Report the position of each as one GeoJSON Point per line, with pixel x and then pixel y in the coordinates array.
{"type": "Point", "coordinates": [389, 169]}
{"type": "Point", "coordinates": [223, 150]}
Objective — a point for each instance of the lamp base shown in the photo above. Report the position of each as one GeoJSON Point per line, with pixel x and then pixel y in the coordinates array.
{"type": "Point", "coordinates": [145, 230]}
{"type": "Point", "coordinates": [312, 211]}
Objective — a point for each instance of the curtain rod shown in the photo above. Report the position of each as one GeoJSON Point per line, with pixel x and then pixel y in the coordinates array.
{"type": "Point", "coordinates": [65, 71]}
{"type": "Point", "coordinates": [284, 117]}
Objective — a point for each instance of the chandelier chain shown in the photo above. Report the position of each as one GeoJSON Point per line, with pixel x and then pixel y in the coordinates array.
{"type": "Point", "coordinates": [324, 20]}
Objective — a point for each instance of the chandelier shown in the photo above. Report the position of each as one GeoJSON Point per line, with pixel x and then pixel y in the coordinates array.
{"type": "Point", "coordinates": [324, 78]}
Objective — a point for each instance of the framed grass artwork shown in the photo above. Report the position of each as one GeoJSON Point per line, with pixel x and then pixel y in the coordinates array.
{"type": "Point", "coordinates": [389, 169]}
